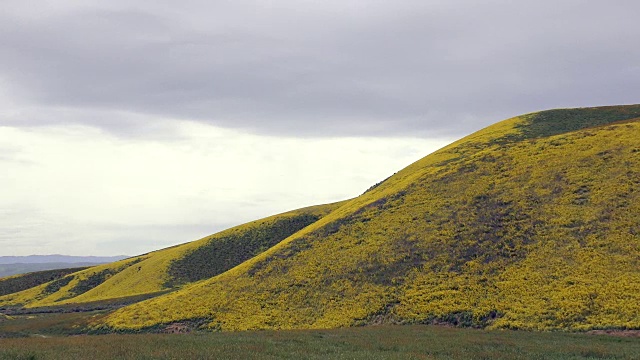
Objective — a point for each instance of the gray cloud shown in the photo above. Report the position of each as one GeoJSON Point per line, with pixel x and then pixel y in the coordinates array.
{"type": "Point", "coordinates": [427, 68]}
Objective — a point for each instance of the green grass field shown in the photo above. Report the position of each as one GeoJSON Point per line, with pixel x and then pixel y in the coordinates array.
{"type": "Point", "coordinates": [376, 342]}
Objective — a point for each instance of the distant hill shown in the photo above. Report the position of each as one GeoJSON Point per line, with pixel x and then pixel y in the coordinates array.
{"type": "Point", "coordinates": [12, 265]}
{"type": "Point", "coordinates": [15, 269]}
{"type": "Point", "coordinates": [169, 269]}
{"type": "Point", "coordinates": [17, 283]}
{"type": "Point", "coordinates": [44, 259]}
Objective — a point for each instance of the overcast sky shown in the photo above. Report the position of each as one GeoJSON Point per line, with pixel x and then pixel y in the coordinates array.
{"type": "Point", "coordinates": [127, 126]}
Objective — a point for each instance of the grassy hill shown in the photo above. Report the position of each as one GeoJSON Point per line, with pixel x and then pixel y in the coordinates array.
{"type": "Point", "coordinates": [531, 223]}
{"type": "Point", "coordinates": [7, 270]}
{"type": "Point", "coordinates": [167, 269]}
{"type": "Point", "coordinates": [15, 265]}
{"type": "Point", "coordinates": [16, 283]}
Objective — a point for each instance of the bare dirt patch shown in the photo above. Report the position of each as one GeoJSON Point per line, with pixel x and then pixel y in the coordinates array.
{"type": "Point", "coordinates": [620, 333]}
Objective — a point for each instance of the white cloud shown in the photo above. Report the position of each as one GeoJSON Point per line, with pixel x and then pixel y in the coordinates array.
{"type": "Point", "coordinates": [317, 68]}
{"type": "Point", "coordinates": [80, 190]}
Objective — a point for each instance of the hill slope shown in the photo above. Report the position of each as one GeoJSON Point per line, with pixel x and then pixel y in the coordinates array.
{"type": "Point", "coordinates": [530, 223]}
{"type": "Point", "coordinates": [59, 259]}
{"type": "Point", "coordinates": [167, 269]}
{"type": "Point", "coordinates": [16, 283]}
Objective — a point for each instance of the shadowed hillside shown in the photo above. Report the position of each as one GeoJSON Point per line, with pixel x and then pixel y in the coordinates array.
{"type": "Point", "coordinates": [531, 223]}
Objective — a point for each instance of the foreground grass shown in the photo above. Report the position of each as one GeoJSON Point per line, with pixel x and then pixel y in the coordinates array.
{"type": "Point", "coordinates": [380, 342]}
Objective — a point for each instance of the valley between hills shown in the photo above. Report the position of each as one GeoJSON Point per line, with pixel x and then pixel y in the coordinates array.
{"type": "Point", "coordinates": [532, 223]}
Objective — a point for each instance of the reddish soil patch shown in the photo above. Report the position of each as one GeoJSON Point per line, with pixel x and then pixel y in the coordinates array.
{"type": "Point", "coordinates": [177, 328]}
{"type": "Point", "coordinates": [621, 333]}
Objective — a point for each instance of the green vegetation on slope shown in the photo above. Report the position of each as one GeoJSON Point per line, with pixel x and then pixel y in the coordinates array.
{"type": "Point", "coordinates": [560, 121]}
{"type": "Point", "coordinates": [535, 234]}
{"type": "Point", "coordinates": [84, 284]}
{"type": "Point", "coordinates": [18, 283]}
{"type": "Point", "coordinates": [222, 253]}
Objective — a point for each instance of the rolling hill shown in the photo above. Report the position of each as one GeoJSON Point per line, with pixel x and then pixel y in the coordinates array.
{"type": "Point", "coordinates": [14, 265]}
{"type": "Point", "coordinates": [58, 259]}
{"type": "Point", "coordinates": [19, 282]}
{"type": "Point", "coordinates": [167, 269]}
{"type": "Point", "coordinates": [531, 223]}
